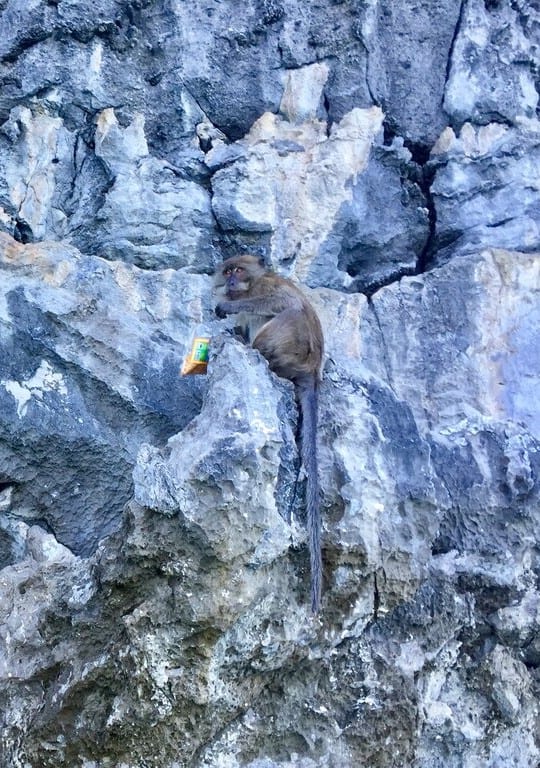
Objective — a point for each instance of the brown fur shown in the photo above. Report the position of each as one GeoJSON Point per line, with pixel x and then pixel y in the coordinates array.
{"type": "Point", "coordinates": [281, 322]}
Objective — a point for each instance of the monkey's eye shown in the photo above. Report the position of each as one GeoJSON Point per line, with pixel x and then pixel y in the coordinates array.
{"type": "Point", "coordinates": [227, 271]}
{"type": "Point", "coordinates": [239, 270]}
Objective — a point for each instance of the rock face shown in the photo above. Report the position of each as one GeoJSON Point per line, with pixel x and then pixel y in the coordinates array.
{"type": "Point", "coordinates": [154, 574]}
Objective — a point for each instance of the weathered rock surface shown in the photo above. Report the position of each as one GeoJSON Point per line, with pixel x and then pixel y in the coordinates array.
{"type": "Point", "coordinates": [153, 566]}
{"type": "Point", "coordinates": [473, 188]}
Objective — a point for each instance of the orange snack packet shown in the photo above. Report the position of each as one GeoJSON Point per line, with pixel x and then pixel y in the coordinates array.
{"type": "Point", "coordinates": [196, 361]}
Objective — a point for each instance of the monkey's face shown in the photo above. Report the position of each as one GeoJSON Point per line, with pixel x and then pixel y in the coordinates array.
{"type": "Point", "coordinates": [236, 280]}
{"type": "Point", "coordinates": [237, 274]}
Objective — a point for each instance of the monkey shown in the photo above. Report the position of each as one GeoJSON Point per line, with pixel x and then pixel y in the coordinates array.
{"type": "Point", "coordinates": [278, 321]}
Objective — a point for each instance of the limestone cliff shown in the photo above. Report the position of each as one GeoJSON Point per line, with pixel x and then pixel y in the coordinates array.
{"type": "Point", "coordinates": [153, 567]}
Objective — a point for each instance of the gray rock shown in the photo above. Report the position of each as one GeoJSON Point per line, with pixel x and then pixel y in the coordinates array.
{"type": "Point", "coordinates": [242, 464]}
{"type": "Point", "coordinates": [494, 44]}
{"type": "Point", "coordinates": [410, 47]}
{"type": "Point", "coordinates": [166, 218]}
{"type": "Point", "coordinates": [71, 410]}
{"type": "Point", "coordinates": [202, 599]}
{"type": "Point", "coordinates": [153, 563]}
{"type": "Point", "coordinates": [381, 233]}
{"type": "Point", "coordinates": [475, 195]}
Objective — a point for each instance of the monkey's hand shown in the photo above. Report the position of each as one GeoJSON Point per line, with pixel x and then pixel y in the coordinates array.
{"type": "Point", "coordinates": [221, 310]}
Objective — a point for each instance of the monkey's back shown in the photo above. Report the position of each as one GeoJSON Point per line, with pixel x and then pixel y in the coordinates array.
{"type": "Point", "coordinates": [292, 340]}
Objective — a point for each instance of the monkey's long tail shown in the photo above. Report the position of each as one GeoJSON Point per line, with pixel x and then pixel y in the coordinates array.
{"type": "Point", "coordinates": [308, 396]}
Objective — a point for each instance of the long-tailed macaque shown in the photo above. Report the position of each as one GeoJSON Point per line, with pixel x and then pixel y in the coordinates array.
{"type": "Point", "coordinates": [279, 321]}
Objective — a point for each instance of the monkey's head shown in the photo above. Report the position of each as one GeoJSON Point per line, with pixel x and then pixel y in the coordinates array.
{"type": "Point", "coordinates": [237, 274]}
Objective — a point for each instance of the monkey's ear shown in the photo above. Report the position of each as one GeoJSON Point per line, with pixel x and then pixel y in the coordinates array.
{"type": "Point", "coordinates": [261, 261]}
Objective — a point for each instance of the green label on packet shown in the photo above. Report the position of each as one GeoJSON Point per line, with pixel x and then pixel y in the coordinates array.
{"type": "Point", "coordinates": [199, 352]}
{"type": "Point", "coordinates": [196, 360]}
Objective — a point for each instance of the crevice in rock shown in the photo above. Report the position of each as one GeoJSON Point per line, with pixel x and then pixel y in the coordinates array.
{"type": "Point", "coordinates": [424, 178]}
{"type": "Point", "coordinates": [23, 232]}
{"type": "Point", "coordinates": [419, 171]}
{"type": "Point", "coordinates": [500, 223]}
{"type": "Point", "coordinates": [376, 598]}
{"type": "Point", "coordinates": [375, 285]}
{"type": "Point", "coordinates": [326, 105]}
{"type": "Point", "coordinates": [33, 37]}
{"type": "Point", "coordinates": [453, 42]}
{"type": "Point", "coordinates": [389, 132]}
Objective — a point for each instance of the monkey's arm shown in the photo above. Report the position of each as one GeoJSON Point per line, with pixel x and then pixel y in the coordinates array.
{"type": "Point", "coordinates": [267, 306]}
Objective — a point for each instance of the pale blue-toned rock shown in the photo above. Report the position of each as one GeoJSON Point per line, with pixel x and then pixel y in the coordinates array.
{"type": "Point", "coordinates": [153, 567]}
